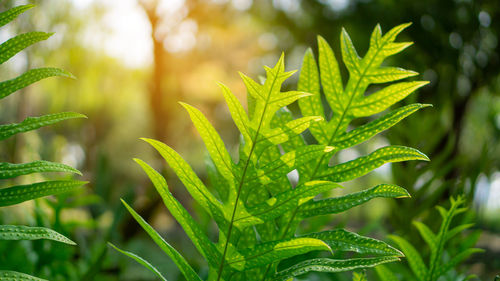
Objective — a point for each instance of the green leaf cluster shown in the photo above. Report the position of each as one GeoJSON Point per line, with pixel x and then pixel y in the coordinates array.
{"type": "Point", "coordinates": [257, 207]}
{"type": "Point", "coordinates": [437, 265]}
{"type": "Point", "coordinates": [12, 195]}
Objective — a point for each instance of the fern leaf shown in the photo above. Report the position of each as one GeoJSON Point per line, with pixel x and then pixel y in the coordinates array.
{"type": "Point", "coordinates": [343, 240]}
{"type": "Point", "coordinates": [286, 98]}
{"type": "Point", "coordinates": [269, 252]}
{"type": "Point", "coordinates": [200, 240]}
{"type": "Point", "coordinates": [412, 255]}
{"type": "Point", "coordinates": [447, 215]}
{"type": "Point", "coordinates": [141, 261]}
{"type": "Point", "coordinates": [14, 45]}
{"type": "Point", "coordinates": [340, 204]}
{"type": "Point", "coordinates": [29, 77]}
{"type": "Point", "coordinates": [20, 193]}
{"type": "Point", "coordinates": [32, 123]}
{"type": "Point", "coordinates": [331, 265]}
{"type": "Point", "coordinates": [312, 105]}
{"type": "Point", "coordinates": [367, 131]}
{"type": "Point", "coordinates": [6, 275]}
{"type": "Point", "coordinates": [178, 259]}
{"type": "Point", "coordinates": [11, 14]}
{"type": "Point", "coordinates": [213, 142]}
{"type": "Point", "coordinates": [18, 232]}
{"type": "Point", "coordinates": [456, 230]}
{"type": "Point", "coordinates": [191, 181]}
{"type": "Point", "coordinates": [238, 113]}
{"type": "Point", "coordinates": [9, 170]}
{"type": "Point", "coordinates": [381, 100]}
{"type": "Point", "coordinates": [388, 74]}
{"type": "Point", "coordinates": [362, 165]}
{"type": "Point", "coordinates": [428, 235]}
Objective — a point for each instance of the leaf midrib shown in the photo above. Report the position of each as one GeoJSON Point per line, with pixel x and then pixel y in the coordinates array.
{"type": "Point", "coordinates": [221, 267]}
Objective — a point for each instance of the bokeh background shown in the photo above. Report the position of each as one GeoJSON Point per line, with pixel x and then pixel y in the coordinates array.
{"type": "Point", "coordinates": [134, 59]}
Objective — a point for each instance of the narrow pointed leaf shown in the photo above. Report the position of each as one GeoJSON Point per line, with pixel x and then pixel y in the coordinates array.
{"type": "Point", "coordinates": [212, 141]}
{"type": "Point", "coordinates": [286, 98]}
{"type": "Point", "coordinates": [363, 165]}
{"type": "Point", "coordinates": [30, 77]}
{"type": "Point", "coordinates": [253, 88]}
{"type": "Point", "coordinates": [141, 261]}
{"type": "Point", "coordinates": [456, 230]}
{"type": "Point", "coordinates": [238, 113]}
{"type": "Point", "coordinates": [190, 180]}
{"type": "Point", "coordinates": [349, 54]}
{"type": "Point", "coordinates": [20, 193]}
{"type": "Point", "coordinates": [331, 80]}
{"type": "Point", "coordinates": [312, 105]}
{"type": "Point", "coordinates": [330, 265]}
{"type": "Point", "coordinates": [32, 123]}
{"type": "Point", "coordinates": [9, 170]}
{"type": "Point", "coordinates": [367, 131]}
{"type": "Point", "coordinates": [178, 259]}
{"type": "Point", "coordinates": [6, 275]}
{"type": "Point", "coordinates": [413, 257]}
{"type": "Point", "coordinates": [394, 48]}
{"type": "Point", "coordinates": [14, 45]}
{"type": "Point", "coordinates": [340, 204]}
{"type": "Point", "coordinates": [200, 240]}
{"type": "Point", "coordinates": [388, 74]}
{"type": "Point", "coordinates": [390, 36]}
{"type": "Point", "coordinates": [265, 253]}
{"type": "Point", "coordinates": [20, 232]}
{"type": "Point", "coordinates": [9, 15]}
{"type": "Point", "coordinates": [381, 100]}
{"type": "Point", "coordinates": [427, 234]}
{"type": "Point", "coordinates": [343, 240]}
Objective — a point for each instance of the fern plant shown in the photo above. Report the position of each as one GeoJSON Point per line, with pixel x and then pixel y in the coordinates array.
{"type": "Point", "coordinates": [257, 208]}
{"type": "Point", "coordinates": [437, 265]}
{"type": "Point", "coordinates": [20, 193]}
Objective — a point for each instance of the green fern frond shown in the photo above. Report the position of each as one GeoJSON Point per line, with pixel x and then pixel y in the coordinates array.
{"type": "Point", "coordinates": [21, 193]}
{"type": "Point", "coordinates": [437, 244]}
{"type": "Point", "coordinates": [257, 208]}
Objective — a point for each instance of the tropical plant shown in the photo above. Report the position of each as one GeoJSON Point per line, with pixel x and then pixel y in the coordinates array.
{"type": "Point", "coordinates": [257, 207]}
{"type": "Point", "coordinates": [442, 259]}
{"type": "Point", "coordinates": [20, 193]}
